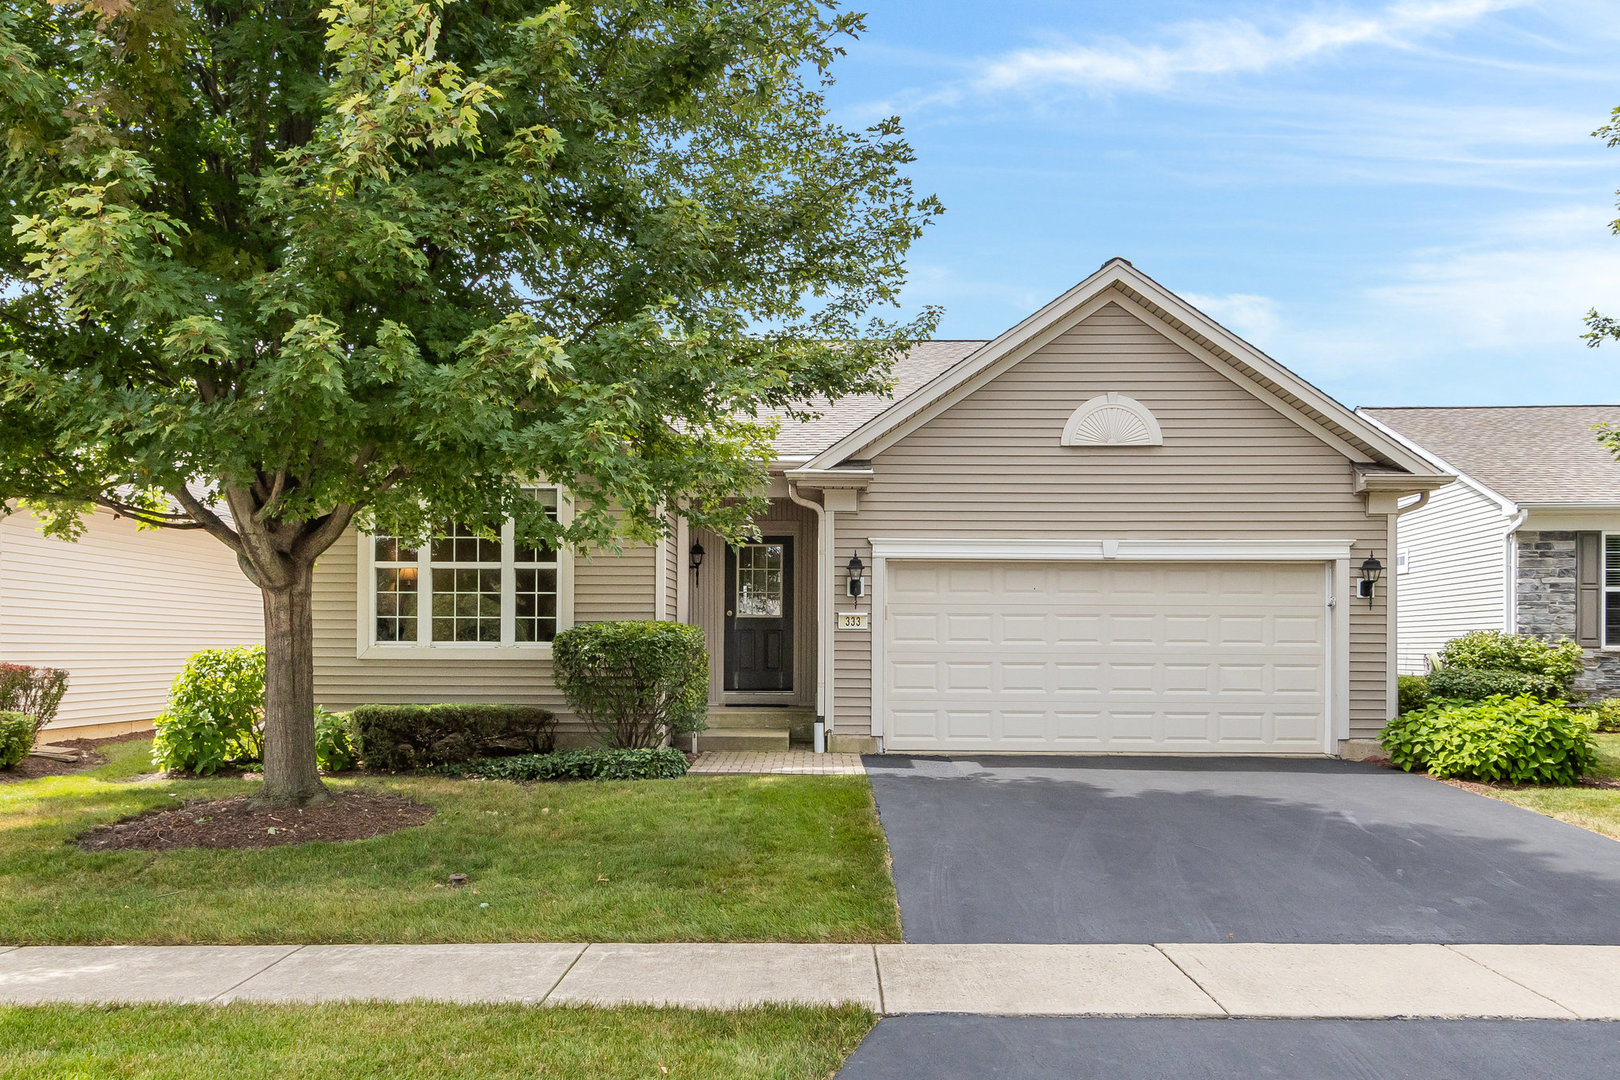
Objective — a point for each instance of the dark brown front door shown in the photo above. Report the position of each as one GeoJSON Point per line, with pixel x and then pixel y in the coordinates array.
{"type": "Point", "coordinates": [759, 615]}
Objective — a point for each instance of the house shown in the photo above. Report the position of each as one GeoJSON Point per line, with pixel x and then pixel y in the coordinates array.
{"type": "Point", "coordinates": [120, 609]}
{"type": "Point", "coordinates": [1115, 527]}
{"type": "Point", "coordinates": [1527, 541]}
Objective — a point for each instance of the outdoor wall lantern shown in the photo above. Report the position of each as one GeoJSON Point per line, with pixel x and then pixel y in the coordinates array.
{"type": "Point", "coordinates": [1371, 571]}
{"type": "Point", "coordinates": [697, 557]}
{"type": "Point", "coordinates": [857, 576]}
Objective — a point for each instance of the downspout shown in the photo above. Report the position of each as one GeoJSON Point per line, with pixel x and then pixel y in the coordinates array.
{"type": "Point", "coordinates": [1510, 564]}
{"type": "Point", "coordinates": [824, 620]}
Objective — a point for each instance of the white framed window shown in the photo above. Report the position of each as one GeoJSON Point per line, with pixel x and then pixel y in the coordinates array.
{"type": "Point", "coordinates": [464, 592]}
{"type": "Point", "coordinates": [1611, 589]}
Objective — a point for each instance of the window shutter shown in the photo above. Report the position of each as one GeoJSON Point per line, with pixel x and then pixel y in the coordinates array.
{"type": "Point", "coordinates": [1589, 589]}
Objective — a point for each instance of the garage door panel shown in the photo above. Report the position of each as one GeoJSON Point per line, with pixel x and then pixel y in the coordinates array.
{"type": "Point", "coordinates": [1211, 657]}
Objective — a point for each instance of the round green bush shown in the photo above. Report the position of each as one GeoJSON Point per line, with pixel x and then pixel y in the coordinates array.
{"type": "Point", "coordinates": [16, 737]}
{"type": "Point", "coordinates": [215, 714]}
{"type": "Point", "coordinates": [634, 683]}
{"type": "Point", "coordinates": [1514, 740]}
{"type": "Point", "coordinates": [337, 749]}
{"type": "Point", "coordinates": [1605, 714]}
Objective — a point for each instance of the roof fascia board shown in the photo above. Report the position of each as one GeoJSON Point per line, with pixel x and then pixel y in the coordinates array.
{"type": "Point", "coordinates": [928, 403]}
{"type": "Point", "coordinates": [1507, 505]}
{"type": "Point", "coordinates": [1294, 384]}
{"type": "Point", "coordinates": [1074, 306]}
{"type": "Point", "coordinates": [1042, 320]}
{"type": "Point", "coordinates": [1241, 380]}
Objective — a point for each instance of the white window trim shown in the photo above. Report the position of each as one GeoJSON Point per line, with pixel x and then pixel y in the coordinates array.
{"type": "Point", "coordinates": [369, 648]}
{"type": "Point", "coordinates": [1604, 591]}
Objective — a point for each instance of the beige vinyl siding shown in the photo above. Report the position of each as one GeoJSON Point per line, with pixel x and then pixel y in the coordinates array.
{"type": "Point", "coordinates": [670, 554]}
{"type": "Point", "coordinates": [606, 587]}
{"type": "Point", "coordinates": [1231, 467]}
{"type": "Point", "coordinates": [120, 609]}
{"type": "Point", "coordinates": [709, 599]}
{"type": "Point", "coordinates": [1457, 581]}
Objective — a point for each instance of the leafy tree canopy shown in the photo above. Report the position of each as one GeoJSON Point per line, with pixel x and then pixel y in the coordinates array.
{"type": "Point", "coordinates": [378, 262]}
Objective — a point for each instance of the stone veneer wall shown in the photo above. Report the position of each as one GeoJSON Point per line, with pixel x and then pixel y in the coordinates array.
{"type": "Point", "coordinates": [1545, 598]}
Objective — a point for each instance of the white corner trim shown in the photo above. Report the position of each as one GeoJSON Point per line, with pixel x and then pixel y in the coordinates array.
{"type": "Point", "coordinates": [1112, 419]}
{"type": "Point", "coordinates": [1122, 550]}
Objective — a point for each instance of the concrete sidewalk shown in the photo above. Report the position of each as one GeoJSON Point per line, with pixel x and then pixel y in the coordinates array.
{"type": "Point", "coordinates": [1565, 982]}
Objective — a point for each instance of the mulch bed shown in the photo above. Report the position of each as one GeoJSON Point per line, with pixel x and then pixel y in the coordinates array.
{"type": "Point", "coordinates": [31, 768]}
{"type": "Point", "coordinates": [238, 823]}
{"type": "Point", "coordinates": [1485, 789]}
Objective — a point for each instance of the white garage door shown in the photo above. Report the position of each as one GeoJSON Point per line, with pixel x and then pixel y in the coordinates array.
{"type": "Point", "coordinates": [1135, 657]}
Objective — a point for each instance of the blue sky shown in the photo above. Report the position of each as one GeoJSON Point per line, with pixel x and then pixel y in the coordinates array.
{"type": "Point", "coordinates": [1401, 201]}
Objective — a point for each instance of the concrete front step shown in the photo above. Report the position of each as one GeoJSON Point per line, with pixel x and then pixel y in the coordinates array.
{"type": "Point", "coordinates": [742, 739]}
{"type": "Point", "coordinates": [722, 716]}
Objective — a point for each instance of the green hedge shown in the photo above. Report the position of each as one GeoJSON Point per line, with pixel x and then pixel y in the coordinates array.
{"type": "Point", "coordinates": [634, 683]}
{"type": "Point", "coordinates": [422, 736]}
{"type": "Point", "coordinates": [1414, 692]}
{"type": "Point", "coordinates": [337, 745]}
{"type": "Point", "coordinates": [1469, 684]}
{"type": "Point", "coordinates": [16, 737]}
{"type": "Point", "coordinates": [587, 763]}
{"type": "Point", "coordinates": [1517, 740]}
{"type": "Point", "coordinates": [1492, 650]}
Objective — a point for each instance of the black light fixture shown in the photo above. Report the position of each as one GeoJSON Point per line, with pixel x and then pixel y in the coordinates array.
{"type": "Point", "coordinates": [857, 576]}
{"type": "Point", "coordinates": [697, 556]}
{"type": "Point", "coordinates": [1371, 571]}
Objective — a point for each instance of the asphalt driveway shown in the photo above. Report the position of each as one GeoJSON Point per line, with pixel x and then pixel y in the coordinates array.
{"type": "Point", "coordinates": [1109, 849]}
{"type": "Point", "coordinates": [1058, 1048]}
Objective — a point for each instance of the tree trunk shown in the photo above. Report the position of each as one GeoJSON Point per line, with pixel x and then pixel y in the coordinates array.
{"type": "Point", "coordinates": [290, 778]}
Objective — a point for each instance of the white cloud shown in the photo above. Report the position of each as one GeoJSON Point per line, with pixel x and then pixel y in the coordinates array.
{"type": "Point", "coordinates": [1498, 320]}
{"type": "Point", "coordinates": [1229, 46]}
{"type": "Point", "coordinates": [1255, 319]}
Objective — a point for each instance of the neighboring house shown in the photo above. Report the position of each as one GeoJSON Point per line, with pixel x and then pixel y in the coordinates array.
{"type": "Point", "coordinates": [1527, 541]}
{"type": "Point", "coordinates": [120, 609]}
{"type": "Point", "coordinates": [1116, 527]}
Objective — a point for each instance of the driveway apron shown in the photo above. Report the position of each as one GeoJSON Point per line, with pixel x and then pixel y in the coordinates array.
{"type": "Point", "coordinates": [1148, 850]}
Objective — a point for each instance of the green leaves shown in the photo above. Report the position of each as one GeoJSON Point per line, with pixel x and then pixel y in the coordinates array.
{"type": "Point", "coordinates": [1513, 740]}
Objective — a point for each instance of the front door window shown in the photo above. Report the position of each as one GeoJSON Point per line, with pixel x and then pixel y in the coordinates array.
{"type": "Point", "coordinates": [759, 581]}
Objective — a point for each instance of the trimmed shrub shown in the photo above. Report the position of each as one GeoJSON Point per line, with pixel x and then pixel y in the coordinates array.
{"type": "Point", "coordinates": [215, 714]}
{"type": "Point", "coordinates": [1468, 684]}
{"type": "Point", "coordinates": [586, 763]}
{"type": "Point", "coordinates": [634, 683]}
{"type": "Point", "coordinates": [1515, 740]}
{"type": "Point", "coordinates": [1414, 692]}
{"type": "Point", "coordinates": [337, 749]}
{"type": "Point", "coordinates": [421, 736]}
{"type": "Point", "coordinates": [16, 737]}
{"type": "Point", "coordinates": [1492, 650]}
{"type": "Point", "coordinates": [32, 691]}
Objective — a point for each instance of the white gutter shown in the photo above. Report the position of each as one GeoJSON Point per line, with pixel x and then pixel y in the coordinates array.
{"type": "Point", "coordinates": [1510, 563]}
{"type": "Point", "coordinates": [824, 614]}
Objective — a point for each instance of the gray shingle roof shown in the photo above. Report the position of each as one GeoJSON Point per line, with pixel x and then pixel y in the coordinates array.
{"type": "Point", "coordinates": [911, 373]}
{"type": "Point", "coordinates": [1536, 454]}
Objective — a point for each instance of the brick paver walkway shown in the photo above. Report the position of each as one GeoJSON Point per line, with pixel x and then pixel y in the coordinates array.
{"type": "Point", "coordinates": [783, 762]}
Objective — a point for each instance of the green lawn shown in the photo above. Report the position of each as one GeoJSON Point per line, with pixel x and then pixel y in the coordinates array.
{"type": "Point", "coordinates": [1597, 809]}
{"type": "Point", "coordinates": [406, 1042]}
{"type": "Point", "coordinates": [724, 858]}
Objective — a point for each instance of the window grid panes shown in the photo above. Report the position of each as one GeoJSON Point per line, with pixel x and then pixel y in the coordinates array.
{"type": "Point", "coordinates": [759, 581]}
{"type": "Point", "coordinates": [1611, 590]}
{"type": "Point", "coordinates": [463, 588]}
{"type": "Point", "coordinates": [397, 573]}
